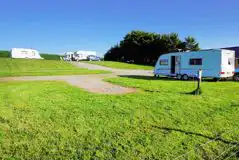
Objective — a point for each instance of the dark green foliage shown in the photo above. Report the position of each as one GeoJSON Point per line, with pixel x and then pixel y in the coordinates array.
{"type": "Point", "coordinates": [50, 56]}
{"type": "Point", "coordinates": [4, 54]}
{"type": "Point", "coordinates": [146, 47]}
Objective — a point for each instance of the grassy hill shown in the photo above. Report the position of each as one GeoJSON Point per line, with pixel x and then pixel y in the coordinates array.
{"type": "Point", "coordinates": [31, 67]}
{"type": "Point", "coordinates": [120, 65]}
{"type": "Point", "coordinates": [6, 54]}
{"type": "Point", "coordinates": [53, 120]}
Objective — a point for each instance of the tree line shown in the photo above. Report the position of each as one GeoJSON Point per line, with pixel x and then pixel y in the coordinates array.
{"type": "Point", "coordinates": [145, 47]}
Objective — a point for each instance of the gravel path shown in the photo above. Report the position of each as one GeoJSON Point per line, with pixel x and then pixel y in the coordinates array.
{"type": "Point", "coordinates": [92, 83]}
{"type": "Point", "coordinates": [113, 70]}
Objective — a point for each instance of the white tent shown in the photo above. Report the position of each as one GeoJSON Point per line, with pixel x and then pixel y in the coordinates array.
{"type": "Point", "coordinates": [25, 53]}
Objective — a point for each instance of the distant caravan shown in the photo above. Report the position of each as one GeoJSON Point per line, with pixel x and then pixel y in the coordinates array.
{"type": "Point", "coordinates": [215, 63]}
{"type": "Point", "coordinates": [78, 55]}
{"type": "Point", "coordinates": [25, 53]}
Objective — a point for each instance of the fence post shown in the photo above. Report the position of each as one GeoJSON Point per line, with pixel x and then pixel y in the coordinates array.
{"type": "Point", "coordinates": [198, 90]}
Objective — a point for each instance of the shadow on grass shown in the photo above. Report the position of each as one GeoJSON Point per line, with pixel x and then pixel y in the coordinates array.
{"type": "Point", "coordinates": [142, 77]}
{"type": "Point", "coordinates": [195, 92]}
{"type": "Point", "coordinates": [147, 77]}
{"type": "Point", "coordinates": [151, 91]}
{"type": "Point", "coordinates": [217, 138]}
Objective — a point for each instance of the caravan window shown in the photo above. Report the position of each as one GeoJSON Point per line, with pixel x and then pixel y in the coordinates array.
{"type": "Point", "coordinates": [237, 62]}
{"type": "Point", "coordinates": [230, 61]}
{"type": "Point", "coordinates": [24, 52]}
{"type": "Point", "coordinates": [163, 62]}
{"type": "Point", "coordinates": [195, 61]}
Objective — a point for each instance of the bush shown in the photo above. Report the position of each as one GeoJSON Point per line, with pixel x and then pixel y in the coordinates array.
{"type": "Point", "coordinates": [4, 54]}
{"type": "Point", "coordinates": [50, 56]}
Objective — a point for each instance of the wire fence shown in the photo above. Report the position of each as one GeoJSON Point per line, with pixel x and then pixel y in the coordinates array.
{"type": "Point", "coordinates": [227, 150]}
{"type": "Point", "coordinates": [233, 154]}
{"type": "Point", "coordinates": [213, 140]}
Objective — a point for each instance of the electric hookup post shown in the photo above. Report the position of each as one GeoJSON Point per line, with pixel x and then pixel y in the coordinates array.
{"type": "Point", "coordinates": [198, 90]}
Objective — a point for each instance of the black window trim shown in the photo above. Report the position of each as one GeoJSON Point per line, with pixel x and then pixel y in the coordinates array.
{"type": "Point", "coordinates": [194, 61]}
{"type": "Point", "coordinates": [163, 64]}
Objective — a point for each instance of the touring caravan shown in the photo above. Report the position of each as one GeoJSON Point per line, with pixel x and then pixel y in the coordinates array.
{"type": "Point", "coordinates": [82, 55]}
{"type": "Point", "coordinates": [215, 63]}
{"type": "Point", "coordinates": [25, 53]}
{"type": "Point", "coordinates": [78, 55]}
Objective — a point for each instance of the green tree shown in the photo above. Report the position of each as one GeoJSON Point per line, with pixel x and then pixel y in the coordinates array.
{"type": "Point", "coordinates": [145, 47]}
{"type": "Point", "coordinates": [191, 44]}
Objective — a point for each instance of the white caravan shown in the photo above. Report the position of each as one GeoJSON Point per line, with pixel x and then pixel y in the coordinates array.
{"type": "Point", "coordinates": [78, 55]}
{"type": "Point", "coordinates": [69, 56]}
{"type": "Point", "coordinates": [82, 55]}
{"type": "Point", "coordinates": [25, 53]}
{"type": "Point", "coordinates": [215, 63]}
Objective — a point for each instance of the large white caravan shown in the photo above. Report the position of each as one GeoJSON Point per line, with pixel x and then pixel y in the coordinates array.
{"type": "Point", "coordinates": [215, 63]}
{"type": "Point", "coordinates": [25, 53]}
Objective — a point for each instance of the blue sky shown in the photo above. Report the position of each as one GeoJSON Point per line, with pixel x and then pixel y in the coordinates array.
{"type": "Point", "coordinates": [67, 25]}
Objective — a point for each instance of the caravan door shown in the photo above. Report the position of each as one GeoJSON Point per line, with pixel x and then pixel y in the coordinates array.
{"type": "Point", "coordinates": [175, 64]}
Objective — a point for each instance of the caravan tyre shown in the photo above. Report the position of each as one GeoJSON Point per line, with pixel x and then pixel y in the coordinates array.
{"type": "Point", "coordinates": [178, 76]}
{"type": "Point", "coordinates": [185, 77]}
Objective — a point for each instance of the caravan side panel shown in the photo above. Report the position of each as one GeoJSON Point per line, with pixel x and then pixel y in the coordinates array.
{"type": "Point", "coordinates": [227, 63]}
{"type": "Point", "coordinates": [209, 61]}
{"type": "Point", "coordinates": [25, 53]}
{"type": "Point", "coordinates": [162, 67]}
{"type": "Point", "coordinates": [84, 54]}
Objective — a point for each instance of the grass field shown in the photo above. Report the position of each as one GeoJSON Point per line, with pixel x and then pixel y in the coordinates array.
{"type": "Point", "coordinates": [6, 54]}
{"type": "Point", "coordinates": [52, 120]}
{"type": "Point", "coordinates": [29, 67]}
{"type": "Point", "coordinates": [120, 65]}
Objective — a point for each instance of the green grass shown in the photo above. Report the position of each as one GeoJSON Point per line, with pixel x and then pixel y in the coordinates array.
{"type": "Point", "coordinates": [120, 65]}
{"type": "Point", "coordinates": [30, 67]}
{"type": "Point", "coordinates": [52, 120]}
{"type": "Point", "coordinates": [6, 54]}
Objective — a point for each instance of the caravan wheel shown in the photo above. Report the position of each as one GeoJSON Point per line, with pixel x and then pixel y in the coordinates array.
{"type": "Point", "coordinates": [178, 76]}
{"type": "Point", "coordinates": [185, 77]}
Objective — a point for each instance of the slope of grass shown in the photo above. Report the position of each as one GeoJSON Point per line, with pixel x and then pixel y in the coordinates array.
{"type": "Point", "coordinates": [30, 67]}
{"type": "Point", "coordinates": [120, 65]}
{"type": "Point", "coordinates": [6, 54]}
{"type": "Point", "coordinates": [52, 120]}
